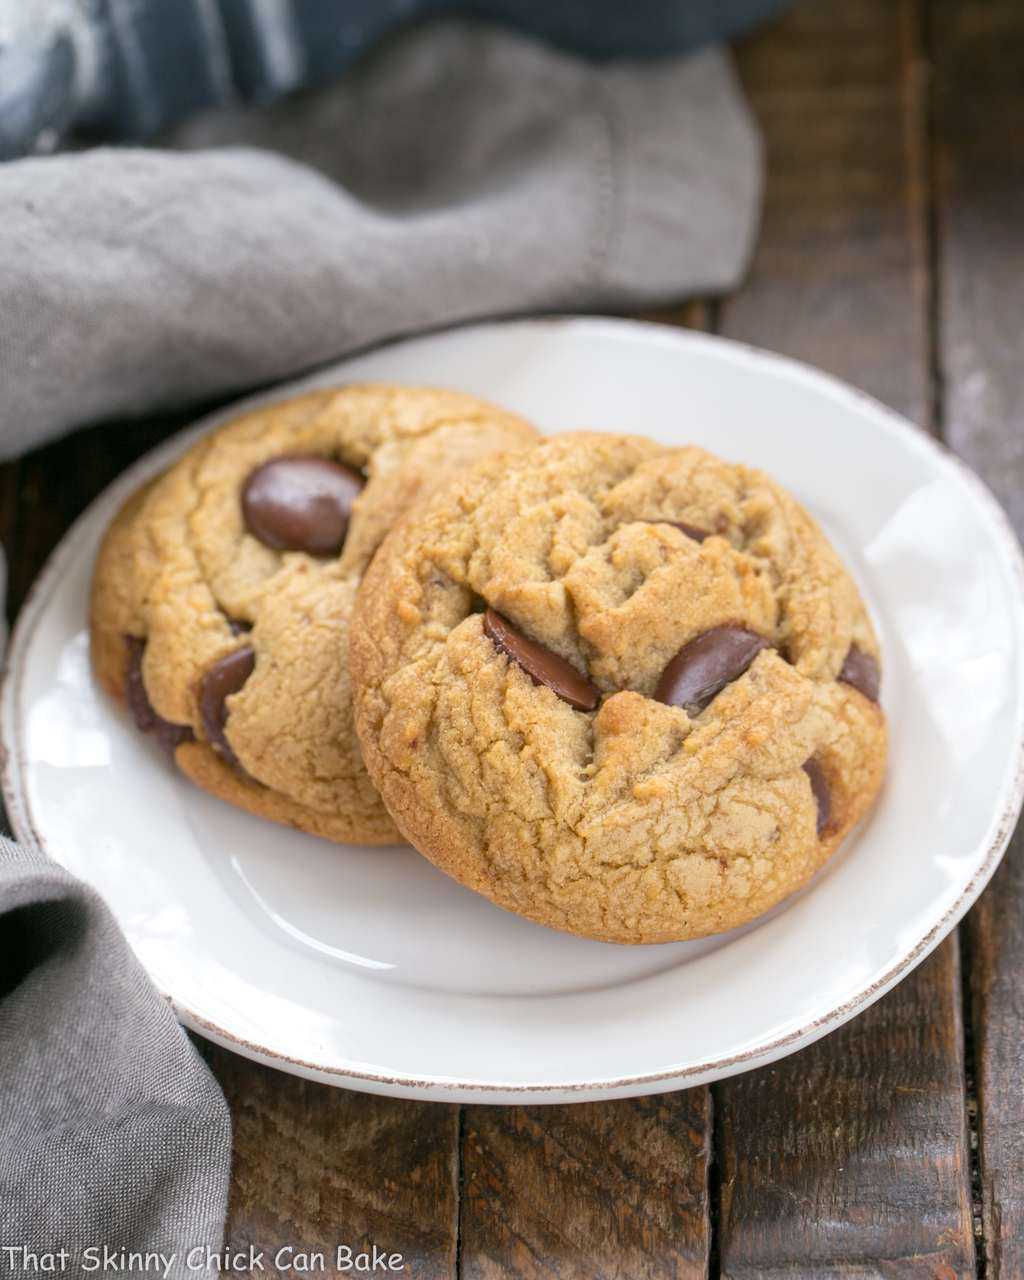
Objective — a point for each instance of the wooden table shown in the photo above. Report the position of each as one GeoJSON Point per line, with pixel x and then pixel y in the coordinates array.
{"type": "Point", "coordinates": [892, 254]}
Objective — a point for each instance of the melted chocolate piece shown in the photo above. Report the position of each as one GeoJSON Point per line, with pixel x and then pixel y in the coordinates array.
{"type": "Point", "coordinates": [703, 667]}
{"type": "Point", "coordinates": [540, 664]}
{"type": "Point", "coordinates": [168, 735]}
{"type": "Point", "coordinates": [820, 791]}
{"type": "Point", "coordinates": [861, 671]}
{"type": "Point", "coordinates": [224, 678]}
{"type": "Point", "coordinates": [300, 503]}
{"type": "Point", "coordinates": [691, 530]}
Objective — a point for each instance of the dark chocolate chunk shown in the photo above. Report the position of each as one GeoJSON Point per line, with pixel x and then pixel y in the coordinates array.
{"type": "Point", "coordinates": [860, 670]}
{"type": "Point", "coordinates": [300, 503]}
{"type": "Point", "coordinates": [820, 791]}
{"type": "Point", "coordinates": [703, 667]}
{"type": "Point", "coordinates": [691, 530]}
{"type": "Point", "coordinates": [225, 677]}
{"type": "Point", "coordinates": [169, 735]}
{"type": "Point", "coordinates": [540, 664]}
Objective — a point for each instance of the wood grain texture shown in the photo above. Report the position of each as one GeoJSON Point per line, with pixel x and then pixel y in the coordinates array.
{"type": "Point", "coordinates": [978, 52]}
{"type": "Point", "coordinates": [995, 953]}
{"type": "Point", "coordinates": [8, 505]}
{"type": "Point", "coordinates": [979, 163]}
{"type": "Point", "coordinates": [698, 313]}
{"type": "Point", "coordinates": [596, 1190]}
{"type": "Point", "coordinates": [851, 1158]}
{"type": "Point", "coordinates": [315, 1167]}
{"type": "Point", "coordinates": [840, 276]}
{"type": "Point", "coordinates": [57, 482]}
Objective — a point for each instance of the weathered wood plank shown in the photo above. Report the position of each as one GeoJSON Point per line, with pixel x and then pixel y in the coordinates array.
{"type": "Point", "coordinates": [980, 213]}
{"type": "Point", "coordinates": [596, 1190]}
{"type": "Point", "coordinates": [317, 1167]}
{"type": "Point", "coordinates": [995, 956]}
{"type": "Point", "coordinates": [8, 504]}
{"type": "Point", "coordinates": [851, 1158]}
{"type": "Point", "coordinates": [57, 482]}
{"type": "Point", "coordinates": [698, 313]}
{"type": "Point", "coordinates": [9, 473]}
{"type": "Point", "coordinates": [979, 120]}
{"type": "Point", "coordinates": [840, 274]}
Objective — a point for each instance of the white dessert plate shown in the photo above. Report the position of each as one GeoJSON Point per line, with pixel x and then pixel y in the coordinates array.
{"type": "Point", "coordinates": [369, 968]}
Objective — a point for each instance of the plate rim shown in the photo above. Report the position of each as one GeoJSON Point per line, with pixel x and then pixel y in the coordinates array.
{"type": "Point", "coordinates": [12, 762]}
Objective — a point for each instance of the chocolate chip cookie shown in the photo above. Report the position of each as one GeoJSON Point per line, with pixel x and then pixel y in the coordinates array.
{"type": "Point", "coordinates": [624, 690]}
{"type": "Point", "coordinates": [223, 591]}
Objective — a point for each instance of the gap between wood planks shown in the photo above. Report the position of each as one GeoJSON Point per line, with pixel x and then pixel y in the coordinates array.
{"type": "Point", "coordinates": [937, 414]}
{"type": "Point", "coordinates": [460, 1187]}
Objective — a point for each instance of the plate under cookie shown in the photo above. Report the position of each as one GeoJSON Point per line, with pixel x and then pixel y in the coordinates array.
{"type": "Point", "coordinates": [368, 968]}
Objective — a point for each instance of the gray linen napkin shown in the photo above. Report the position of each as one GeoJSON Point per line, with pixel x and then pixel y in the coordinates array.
{"type": "Point", "coordinates": [461, 171]}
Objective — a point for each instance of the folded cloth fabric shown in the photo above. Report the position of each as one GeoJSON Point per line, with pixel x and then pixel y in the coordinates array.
{"type": "Point", "coordinates": [114, 66]}
{"type": "Point", "coordinates": [461, 171]}
{"type": "Point", "coordinates": [112, 1130]}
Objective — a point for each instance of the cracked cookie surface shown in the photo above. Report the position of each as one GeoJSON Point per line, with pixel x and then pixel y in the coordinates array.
{"type": "Point", "coordinates": [636, 821]}
{"type": "Point", "coordinates": [232, 651]}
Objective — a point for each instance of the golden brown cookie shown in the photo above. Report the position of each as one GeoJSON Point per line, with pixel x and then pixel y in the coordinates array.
{"type": "Point", "coordinates": [624, 690]}
{"type": "Point", "coordinates": [223, 591]}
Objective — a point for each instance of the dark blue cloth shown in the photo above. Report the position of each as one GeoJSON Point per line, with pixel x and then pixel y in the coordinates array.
{"type": "Point", "coordinates": [125, 69]}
